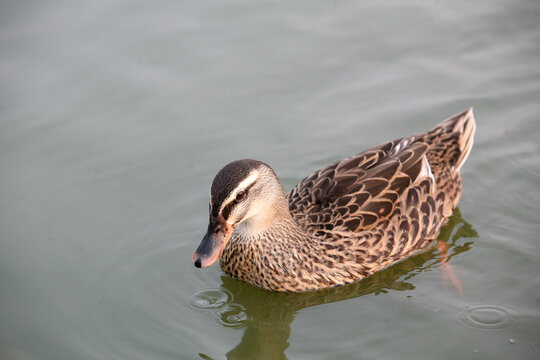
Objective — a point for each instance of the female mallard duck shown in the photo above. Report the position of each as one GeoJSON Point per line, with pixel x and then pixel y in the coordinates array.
{"type": "Point", "coordinates": [341, 223]}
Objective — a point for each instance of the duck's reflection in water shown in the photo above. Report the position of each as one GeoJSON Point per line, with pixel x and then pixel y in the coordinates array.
{"type": "Point", "coordinates": [266, 316]}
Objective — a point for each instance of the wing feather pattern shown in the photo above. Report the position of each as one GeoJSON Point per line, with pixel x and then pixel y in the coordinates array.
{"type": "Point", "coordinates": [358, 193]}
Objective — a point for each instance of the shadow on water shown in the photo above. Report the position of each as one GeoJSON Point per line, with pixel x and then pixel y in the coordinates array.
{"type": "Point", "coordinates": [266, 317]}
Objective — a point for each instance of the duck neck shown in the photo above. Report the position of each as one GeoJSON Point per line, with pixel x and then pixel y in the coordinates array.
{"type": "Point", "coordinates": [267, 250]}
{"type": "Point", "coordinates": [272, 218]}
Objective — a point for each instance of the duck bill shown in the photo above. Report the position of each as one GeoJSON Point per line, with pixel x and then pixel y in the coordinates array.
{"type": "Point", "coordinates": [212, 244]}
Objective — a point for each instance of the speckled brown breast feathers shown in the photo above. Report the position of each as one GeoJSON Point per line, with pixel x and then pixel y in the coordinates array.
{"type": "Point", "coordinates": [356, 216]}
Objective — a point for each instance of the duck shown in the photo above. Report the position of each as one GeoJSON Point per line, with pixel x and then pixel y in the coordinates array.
{"type": "Point", "coordinates": [341, 223]}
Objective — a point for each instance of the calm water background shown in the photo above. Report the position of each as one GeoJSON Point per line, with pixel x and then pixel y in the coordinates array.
{"type": "Point", "coordinates": [116, 115]}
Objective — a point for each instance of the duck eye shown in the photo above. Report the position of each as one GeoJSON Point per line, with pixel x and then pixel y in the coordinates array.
{"type": "Point", "coordinates": [240, 195]}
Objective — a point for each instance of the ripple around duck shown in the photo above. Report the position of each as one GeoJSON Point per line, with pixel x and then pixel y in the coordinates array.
{"type": "Point", "coordinates": [218, 304]}
{"type": "Point", "coordinates": [209, 299]}
{"type": "Point", "coordinates": [487, 316]}
{"type": "Point", "coordinates": [232, 316]}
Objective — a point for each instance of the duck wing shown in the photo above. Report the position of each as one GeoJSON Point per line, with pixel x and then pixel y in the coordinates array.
{"type": "Point", "coordinates": [359, 192]}
{"type": "Point", "coordinates": [416, 174]}
{"type": "Point", "coordinates": [416, 178]}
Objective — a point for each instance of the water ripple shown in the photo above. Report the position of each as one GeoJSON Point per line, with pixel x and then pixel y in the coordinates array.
{"type": "Point", "coordinates": [487, 316]}
{"type": "Point", "coordinates": [210, 299]}
{"type": "Point", "coordinates": [218, 304]}
{"type": "Point", "coordinates": [233, 316]}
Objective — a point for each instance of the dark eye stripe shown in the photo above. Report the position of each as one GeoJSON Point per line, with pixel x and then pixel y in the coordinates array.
{"type": "Point", "coordinates": [228, 208]}
{"type": "Point", "coordinates": [228, 178]}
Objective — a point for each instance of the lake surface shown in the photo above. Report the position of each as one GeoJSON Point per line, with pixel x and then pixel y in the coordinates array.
{"type": "Point", "coordinates": [116, 115]}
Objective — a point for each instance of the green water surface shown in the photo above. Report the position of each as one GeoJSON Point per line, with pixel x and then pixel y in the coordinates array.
{"type": "Point", "coordinates": [116, 115]}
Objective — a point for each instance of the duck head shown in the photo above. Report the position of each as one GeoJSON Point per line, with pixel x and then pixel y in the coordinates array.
{"type": "Point", "coordinates": [246, 196]}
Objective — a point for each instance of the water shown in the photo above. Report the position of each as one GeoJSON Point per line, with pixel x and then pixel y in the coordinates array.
{"type": "Point", "coordinates": [116, 115]}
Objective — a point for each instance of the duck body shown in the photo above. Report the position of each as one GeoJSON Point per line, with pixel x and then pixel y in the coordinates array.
{"type": "Point", "coordinates": [341, 223]}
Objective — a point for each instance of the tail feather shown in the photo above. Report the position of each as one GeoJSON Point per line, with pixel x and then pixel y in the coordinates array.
{"type": "Point", "coordinates": [461, 127]}
{"type": "Point", "coordinates": [467, 137]}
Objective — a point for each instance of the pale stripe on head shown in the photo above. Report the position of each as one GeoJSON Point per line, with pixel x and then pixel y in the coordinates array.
{"type": "Point", "coordinates": [244, 184]}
